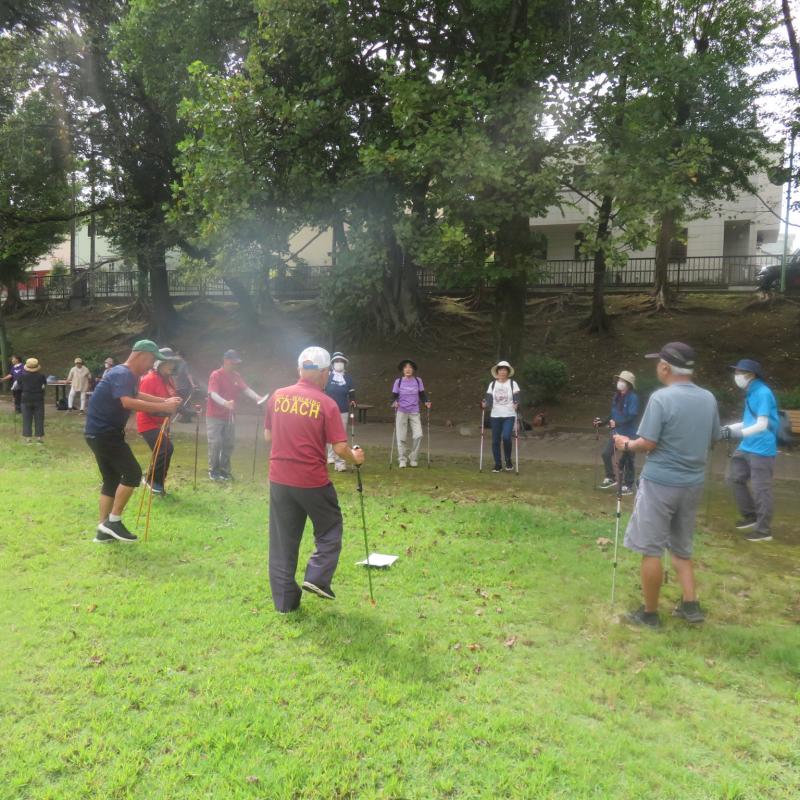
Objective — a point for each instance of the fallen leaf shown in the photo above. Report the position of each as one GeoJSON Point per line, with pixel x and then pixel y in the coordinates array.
{"type": "Point", "coordinates": [252, 779]}
{"type": "Point", "coordinates": [499, 610]}
{"type": "Point", "coordinates": [473, 647]}
{"type": "Point", "coordinates": [409, 551]}
{"type": "Point", "coordinates": [91, 608]}
{"type": "Point", "coordinates": [478, 612]}
{"type": "Point", "coordinates": [482, 592]}
{"type": "Point", "coordinates": [96, 660]}
{"type": "Point", "coordinates": [603, 542]}
{"type": "Point", "coordinates": [457, 646]}
{"type": "Point", "coordinates": [510, 642]}
{"type": "Point", "coordinates": [478, 669]}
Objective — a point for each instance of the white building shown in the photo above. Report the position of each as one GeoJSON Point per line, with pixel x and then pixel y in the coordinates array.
{"type": "Point", "coordinates": [735, 228]}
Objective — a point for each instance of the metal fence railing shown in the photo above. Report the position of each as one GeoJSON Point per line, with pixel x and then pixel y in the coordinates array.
{"type": "Point", "coordinates": [707, 272]}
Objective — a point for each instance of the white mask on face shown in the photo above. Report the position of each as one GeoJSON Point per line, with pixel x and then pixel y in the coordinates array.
{"type": "Point", "coordinates": [741, 381]}
{"type": "Point", "coordinates": [621, 386]}
{"type": "Point", "coordinates": [338, 367]}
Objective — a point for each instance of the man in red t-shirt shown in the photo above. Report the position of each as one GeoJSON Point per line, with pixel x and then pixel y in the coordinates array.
{"type": "Point", "coordinates": [158, 383]}
{"type": "Point", "coordinates": [224, 387]}
{"type": "Point", "coordinates": [301, 421]}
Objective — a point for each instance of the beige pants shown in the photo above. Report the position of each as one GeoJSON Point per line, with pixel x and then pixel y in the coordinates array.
{"type": "Point", "coordinates": [332, 457]}
{"type": "Point", "coordinates": [401, 429]}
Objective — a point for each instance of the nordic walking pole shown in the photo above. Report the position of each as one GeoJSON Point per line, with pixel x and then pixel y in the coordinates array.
{"type": "Point", "coordinates": [255, 440]}
{"type": "Point", "coordinates": [352, 427]}
{"type": "Point", "coordinates": [429, 438]}
{"type": "Point", "coordinates": [483, 430]}
{"type": "Point", "coordinates": [596, 453]}
{"type": "Point", "coordinates": [516, 442]}
{"type": "Point", "coordinates": [196, 443]}
{"type": "Point", "coordinates": [159, 443]}
{"type": "Point", "coordinates": [151, 469]}
{"type": "Point", "coordinates": [360, 486]}
{"type": "Point", "coordinates": [616, 537]}
{"type": "Point", "coordinates": [391, 449]}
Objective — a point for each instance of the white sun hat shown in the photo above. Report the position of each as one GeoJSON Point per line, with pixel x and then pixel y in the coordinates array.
{"type": "Point", "coordinates": [503, 364]}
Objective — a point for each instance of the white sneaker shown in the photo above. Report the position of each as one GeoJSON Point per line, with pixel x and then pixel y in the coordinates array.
{"type": "Point", "coordinates": [414, 464]}
{"type": "Point", "coordinates": [331, 460]}
{"type": "Point", "coordinates": [402, 465]}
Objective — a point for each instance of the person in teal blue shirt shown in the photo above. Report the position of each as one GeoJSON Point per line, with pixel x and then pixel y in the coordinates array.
{"type": "Point", "coordinates": [751, 468]}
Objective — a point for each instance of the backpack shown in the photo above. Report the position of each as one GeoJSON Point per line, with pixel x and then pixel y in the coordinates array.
{"type": "Point", "coordinates": [783, 433]}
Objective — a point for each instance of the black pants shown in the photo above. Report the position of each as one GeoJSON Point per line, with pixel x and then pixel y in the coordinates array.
{"type": "Point", "coordinates": [627, 466]}
{"type": "Point", "coordinates": [116, 462]}
{"type": "Point", "coordinates": [33, 415]}
{"type": "Point", "coordinates": [289, 507]}
{"type": "Point", "coordinates": [17, 395]}
{"type": "Point", "coordinates": [161, 467]}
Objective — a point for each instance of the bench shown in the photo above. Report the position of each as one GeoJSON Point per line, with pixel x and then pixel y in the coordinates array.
{"type": "Point", "coordinates": [361, 412]}
{"type": "Point", "coordinates": [794, 419]}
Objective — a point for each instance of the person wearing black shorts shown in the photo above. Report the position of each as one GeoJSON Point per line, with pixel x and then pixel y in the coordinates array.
{"type": "Point", "coordinates": [109, 408]}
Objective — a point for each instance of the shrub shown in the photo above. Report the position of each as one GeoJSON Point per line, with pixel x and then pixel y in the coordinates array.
{"type": "Point", "coordinates": [790, 398]}
{"type": "Point", "coordinates": [542, 378]}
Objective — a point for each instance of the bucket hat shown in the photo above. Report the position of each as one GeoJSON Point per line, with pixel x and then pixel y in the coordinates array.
{"type": "Point", "coordinates": [503, 364]}
{"type": "Point", "coordinates": [628, 376]}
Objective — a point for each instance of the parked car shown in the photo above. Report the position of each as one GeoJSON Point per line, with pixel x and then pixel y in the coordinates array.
{"type": "Point", "coordinates": [769, 277]}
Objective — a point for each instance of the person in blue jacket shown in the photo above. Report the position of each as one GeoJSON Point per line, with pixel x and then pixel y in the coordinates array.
{"type": "Point", "coordinates": [754, 459]}
{"type": "Point", "coordinates": [340, 388]}
{"type": "Point", "coordinates": [622, 421]}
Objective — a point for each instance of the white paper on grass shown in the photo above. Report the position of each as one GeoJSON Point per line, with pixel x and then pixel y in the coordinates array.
{"type": "Point", "coordinates": [377, 560]}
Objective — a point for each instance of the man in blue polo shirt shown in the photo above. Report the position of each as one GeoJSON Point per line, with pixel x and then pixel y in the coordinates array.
{"type": "Point", "coordinates": [109, 408]}
{"type": "Point", "coordinates": [754, 459]}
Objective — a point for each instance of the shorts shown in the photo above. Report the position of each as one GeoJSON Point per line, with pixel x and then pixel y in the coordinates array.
{"type": "Point", "coordinates": [116, 462]}
{"type": "Point", "coordinates": [663, 517]}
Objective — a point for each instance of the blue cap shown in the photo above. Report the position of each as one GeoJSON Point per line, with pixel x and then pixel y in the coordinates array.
{"type": "Point", "coordinates": [232, 355]}
{"type": "Point", "coordinates": [748, 365]}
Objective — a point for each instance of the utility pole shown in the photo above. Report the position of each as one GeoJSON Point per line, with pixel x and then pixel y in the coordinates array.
{"type": "Point", "coordinates": [72, 242]}
{"type": "Point", "coordinates": [784, 260]}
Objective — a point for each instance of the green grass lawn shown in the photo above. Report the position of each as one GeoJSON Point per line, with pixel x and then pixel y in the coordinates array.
{"type": "Point", "coordinates": [492, 665]}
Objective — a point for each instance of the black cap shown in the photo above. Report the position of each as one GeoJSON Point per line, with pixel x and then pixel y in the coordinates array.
{"type": "Point", "coordinates": [407, 361]}
{"type": "Point", "coordinates": [676, 353]}
{"type": "Point", "coordinates": [232, 355]}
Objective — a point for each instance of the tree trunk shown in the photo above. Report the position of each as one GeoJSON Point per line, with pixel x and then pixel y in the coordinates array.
{"type": "Point", "coordinates": [5, 347]}
{"type": "Point", "coordinates": [397, 307]}
{"type": "Point", "coordinates": [152, 261]}
{"type": "Point", "coordinates": [662, 293]}
{"type": "Point", "coordinates": [511, 289]}
{"type": "Point", "coordinates": [598, 320]}
{"type": "Point", "coordinates": [13, 300]}
{"type": "Point", "coordinates": [794, 47]}
{"type": "Point", "coordinates": [244, 298]}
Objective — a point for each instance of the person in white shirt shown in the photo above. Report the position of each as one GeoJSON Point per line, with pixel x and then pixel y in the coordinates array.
{"type": "Point", "coordinates": [79, 378]}
{"type": "Point", "coordinates": [502, 398]}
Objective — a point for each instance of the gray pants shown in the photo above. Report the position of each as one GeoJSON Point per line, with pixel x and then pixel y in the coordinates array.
{"type": "Point", "coordinates": [221, 435]}
{"type": "Point", "coordinates": [744, 467]}
{"type": "Point", "coordinates": [402, 424]}
{"type": "Point", "coordinates": [289, 507]}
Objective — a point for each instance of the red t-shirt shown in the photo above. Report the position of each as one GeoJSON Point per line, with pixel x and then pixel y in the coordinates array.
{"type": "Point", "coordinates": [158, 386]}
{"type": "Point", "coordinates": [228, 385]}
{"type": "Point", "coordinates": [303, 420]}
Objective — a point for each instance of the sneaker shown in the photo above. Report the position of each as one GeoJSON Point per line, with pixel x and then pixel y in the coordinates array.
{"type": "Point", "coordinates": [759, 536]}
{"type": "Point", "coordinates": [626, 490]}
{"type": "Point", "coordinates": [648, 619]}
{"type": "Point", "coordinates": [413, 464]}
{"type": "Point", "coordinates": [497, 469]}
{"type": "Point", "coordinates": [225, 476]}
{"type": "Point", "coordinates": [102, 536]}
{"type": "Point", "coordinates": [402, 465]}
{"type": "Point", "coordinates": [745, 522]}
{"type": "Point", "coordinates": [331, 460]}
{"type": "Point", "coordinates": [214, 476]}
{"type": "Point", "coordinates": [607, 483]}
{"type": "Point", "coordinates": [320, 591]}
{"type": "Point", "coordinates": [341, 467]}
{"type": "Point", "coordinates": [117, 530]}
{"type": "Point", "coordinates": [155, 488]}
{"type": "Point", "coordinates": [509, 467]}
{"type": "Point", "coordinates": [690, 611]}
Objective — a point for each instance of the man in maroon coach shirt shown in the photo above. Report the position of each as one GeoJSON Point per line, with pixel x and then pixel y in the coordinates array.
{"type": "Point", "coordinates": [301, 420]}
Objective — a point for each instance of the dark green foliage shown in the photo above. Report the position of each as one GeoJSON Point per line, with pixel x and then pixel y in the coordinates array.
{"type": "Point", "coordinates": [542, 378]}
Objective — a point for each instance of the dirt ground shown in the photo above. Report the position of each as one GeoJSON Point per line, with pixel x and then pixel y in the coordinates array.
{"type": "Point", "coordinates": [456, 350]}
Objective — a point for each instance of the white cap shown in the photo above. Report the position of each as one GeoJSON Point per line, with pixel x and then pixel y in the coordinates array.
{"type": "Point", "coordinates": [314, 358]}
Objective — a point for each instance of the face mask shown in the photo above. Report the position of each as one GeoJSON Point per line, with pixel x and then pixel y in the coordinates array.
{"type": "Point", "coordinates": [338, 367]}
{"type": "Point", "coordinates": [621, 386]}
{"type": "Point", "coordinates": [741, 381]}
